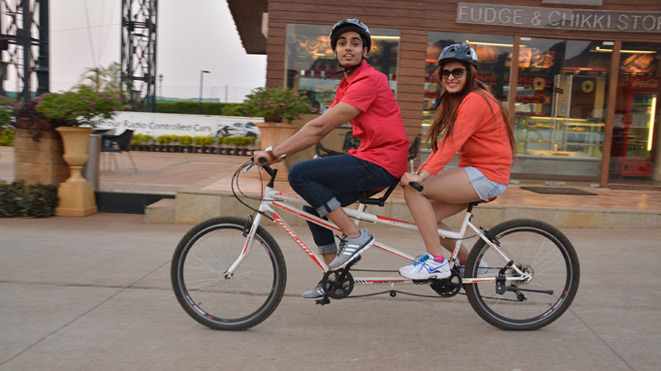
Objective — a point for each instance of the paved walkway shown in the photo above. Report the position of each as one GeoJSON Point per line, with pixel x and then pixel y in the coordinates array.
{"type": "Point", "coordinates": [94, 293]}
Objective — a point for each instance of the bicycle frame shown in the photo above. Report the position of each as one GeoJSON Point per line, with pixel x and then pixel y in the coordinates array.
{"type": "Point", "coordinates": [275, 201]}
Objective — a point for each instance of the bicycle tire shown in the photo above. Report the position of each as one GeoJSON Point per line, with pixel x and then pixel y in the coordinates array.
{"type": "Point", "coordinates": [536, 247]}
{"type": "Point", "coordinates": [244, 300]}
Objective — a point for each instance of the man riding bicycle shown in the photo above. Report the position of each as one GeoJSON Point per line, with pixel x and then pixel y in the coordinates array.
{"type": "Point", "coordinates": [365, 100]}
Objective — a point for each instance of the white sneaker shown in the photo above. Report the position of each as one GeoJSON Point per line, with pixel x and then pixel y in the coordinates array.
{"type": "Point", "coordinates": [424, 267]}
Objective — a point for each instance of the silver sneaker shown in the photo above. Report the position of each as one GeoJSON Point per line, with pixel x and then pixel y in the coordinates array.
{"type": "Point", "coordinates": [316, 293]}
{"type": "Point", "coordinates": [351, 248]}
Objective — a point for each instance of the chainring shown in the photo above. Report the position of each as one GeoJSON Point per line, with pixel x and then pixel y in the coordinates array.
{"type": "Point", "coordinates": [447, 287]}
{"type": "Point", "coordinates": [338, 284]}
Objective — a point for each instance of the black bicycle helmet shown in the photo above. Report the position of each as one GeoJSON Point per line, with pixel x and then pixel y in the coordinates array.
{"type": "Point", "coordinates": [458, 52]}
{"type": "Point", "coordinates": [351, 24]}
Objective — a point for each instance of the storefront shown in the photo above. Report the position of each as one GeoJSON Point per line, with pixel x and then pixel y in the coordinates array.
{"type": "Point", "coordinates": [583, 86]}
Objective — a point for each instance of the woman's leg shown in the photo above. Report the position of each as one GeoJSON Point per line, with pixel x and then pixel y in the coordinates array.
{"type": "Point", "coordinates": [445, 194]}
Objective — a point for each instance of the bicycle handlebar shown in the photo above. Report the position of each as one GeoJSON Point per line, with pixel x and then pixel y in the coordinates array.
{"type": "Point", "coordinates": [417, 186]}
{"type": "Point", "coordinates": [271, 171]}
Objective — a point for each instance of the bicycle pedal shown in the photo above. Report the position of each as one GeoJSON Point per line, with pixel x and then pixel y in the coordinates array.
{"type": "Point", "coordinates": [354, 261]}
{"type": "Point", "coordinates": [323, 301]}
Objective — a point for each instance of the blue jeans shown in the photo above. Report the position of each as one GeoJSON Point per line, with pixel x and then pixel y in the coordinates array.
{"type": "Point", "coordinates": [328, 183]}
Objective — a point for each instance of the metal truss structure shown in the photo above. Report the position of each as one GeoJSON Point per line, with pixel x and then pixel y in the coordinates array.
{"type": "Point", "coordinates": [138, 56]}
{"type": "Point", "coordinates": [24, 46]}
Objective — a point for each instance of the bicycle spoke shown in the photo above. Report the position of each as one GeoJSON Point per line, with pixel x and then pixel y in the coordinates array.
{"type": "Point", "coordinates": [244, 299]}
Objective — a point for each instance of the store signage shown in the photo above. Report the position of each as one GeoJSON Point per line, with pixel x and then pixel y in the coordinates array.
{"type": "Point", "coordinates": [156, 124]}
{"type": "Point", "coordinates": [558, 18]}
{"type": "Point", "coordinates": [651, 83]}
{"type": "Point", "coordinates": [573, 2]}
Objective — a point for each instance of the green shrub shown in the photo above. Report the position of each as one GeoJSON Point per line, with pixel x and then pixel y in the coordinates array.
{"type": "Point", "coordinates": [137, 139]}
{"type": "Point", "coordinates": [276, 104]}
{"type": "Point", "coordinates": [84, 106]}
{"type": "Point", "coordinates": [203, 140]}
{"type": "Point", "coordinates": [6, 137]}
{"type": "Point", "coordinates": [37, 200]}
{"type": "Point", "coordinates": [234, 109]}
{"type": "Point", "coordinates": [184, 140]}
{"type": "Point", "coordinates": [207, 108]}
{"type": "Point", "coordinates": [237, 141]}
{"type": "Point", "coordinates": [166, 139]}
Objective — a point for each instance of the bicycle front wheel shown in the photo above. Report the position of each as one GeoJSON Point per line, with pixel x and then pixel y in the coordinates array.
{"type": "Point", "coordinates": [248, 296]}
{"type": "Point", "coordinates": [536, 248]}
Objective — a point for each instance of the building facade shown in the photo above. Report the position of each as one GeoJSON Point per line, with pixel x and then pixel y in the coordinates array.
{"type": "Point", "coordinates": [581, 77]}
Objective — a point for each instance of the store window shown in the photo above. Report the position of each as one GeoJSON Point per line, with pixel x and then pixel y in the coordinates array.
{"type": "Point", "coordinates": [311, 64]}
{"type": "Point", "coordinates": [560, 107]}
{"type": "Point", "coordinates": [493, 66]}
{"type": "Point", "coordinates": [634, 152]}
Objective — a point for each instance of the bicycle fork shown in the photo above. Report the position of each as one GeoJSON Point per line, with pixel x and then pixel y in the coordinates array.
{"type": "Point", "coordinates": [247, 246]}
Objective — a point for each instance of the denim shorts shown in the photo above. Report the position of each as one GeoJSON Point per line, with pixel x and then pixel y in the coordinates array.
{"type": "Point", "coordinates": [485, 188]}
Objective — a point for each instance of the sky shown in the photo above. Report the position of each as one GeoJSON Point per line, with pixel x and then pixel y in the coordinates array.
{"type": "Point", "coordinates": [193, 35]}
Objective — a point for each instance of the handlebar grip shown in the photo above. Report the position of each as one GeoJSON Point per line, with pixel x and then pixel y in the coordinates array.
{"type": "Point", "coordinates": [262, 161]}
{"type": "Point", "coordinates": [417, 186]}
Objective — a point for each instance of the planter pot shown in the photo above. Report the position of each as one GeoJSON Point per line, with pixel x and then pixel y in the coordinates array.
{"type": "Point", "coordinates": [76, 194]}
{"type": "Point", "coordinates": [274, 133]}
{"type": "Point", "coordinates": [38, 157]}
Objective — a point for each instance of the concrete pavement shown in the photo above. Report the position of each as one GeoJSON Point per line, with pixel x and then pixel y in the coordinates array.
{"type": "Point", "coordinates": [94, 294]}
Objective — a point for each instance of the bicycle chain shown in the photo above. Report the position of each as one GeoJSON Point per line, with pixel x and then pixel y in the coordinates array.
{"type": "Point", "coordinates": [398, 292]}
{"type": "Point", "coordinates": [390, 292]}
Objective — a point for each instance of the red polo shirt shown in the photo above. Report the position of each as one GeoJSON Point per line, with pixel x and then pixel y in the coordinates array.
{"type": "Point", "coordinates": [379, 126]}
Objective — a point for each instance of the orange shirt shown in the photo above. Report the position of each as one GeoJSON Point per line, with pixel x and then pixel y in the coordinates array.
{"type": "Point", "coordinates": [480, 140]}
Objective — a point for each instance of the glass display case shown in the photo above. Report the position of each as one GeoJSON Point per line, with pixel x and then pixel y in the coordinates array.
{"type": "Point", "coordinates": [633, 134]}
{"type": "Point", "coordinates": [635, 126]}
{"type": "Point", "coordinates": [311, 66]}
{"type": "Point", "coordinates": [558, 136]}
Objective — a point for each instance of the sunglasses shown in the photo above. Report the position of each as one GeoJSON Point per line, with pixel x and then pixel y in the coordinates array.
{"type": "Point", "coordinates": [457, 73]}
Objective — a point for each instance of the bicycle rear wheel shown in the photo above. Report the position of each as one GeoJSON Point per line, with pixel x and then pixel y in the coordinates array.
{"type": "Point", "coordinates": [536, 248]}
{"type": "Point", "coordinates": [245, 299]}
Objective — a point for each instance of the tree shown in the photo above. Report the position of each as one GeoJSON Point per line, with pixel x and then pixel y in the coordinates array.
{"type": "Point", "coordinates": [102, 78]}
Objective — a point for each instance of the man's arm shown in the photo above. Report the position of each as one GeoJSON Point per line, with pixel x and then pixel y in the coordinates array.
{"type": "Point", "coordinates": [313, 131]}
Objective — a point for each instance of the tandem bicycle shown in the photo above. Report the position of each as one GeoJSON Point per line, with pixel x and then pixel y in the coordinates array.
{"type": "Point", "coordinates": [229, 273]}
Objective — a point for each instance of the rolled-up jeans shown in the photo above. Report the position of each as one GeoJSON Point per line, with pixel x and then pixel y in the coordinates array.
{"type": "Point", "coordinates": [330, 182]}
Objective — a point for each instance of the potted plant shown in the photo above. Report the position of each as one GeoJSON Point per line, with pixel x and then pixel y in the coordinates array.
{"type": "Point", "coordinates": [74, 114]}
{"type": "Point", "coordinates": [278, 107]}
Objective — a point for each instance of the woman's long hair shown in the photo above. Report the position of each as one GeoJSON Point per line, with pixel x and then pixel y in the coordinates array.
{"type": "Point", "coordinates": [446, 110]}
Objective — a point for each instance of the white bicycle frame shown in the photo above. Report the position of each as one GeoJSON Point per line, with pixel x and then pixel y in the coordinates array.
{"type": "Point", "coordinates": [275, 201]}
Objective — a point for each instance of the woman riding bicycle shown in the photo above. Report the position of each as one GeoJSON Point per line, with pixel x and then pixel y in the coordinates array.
{"type": "Point", "coordinates": [365, 100]}
{"type": "Point", "coordinates": [475, 126]}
